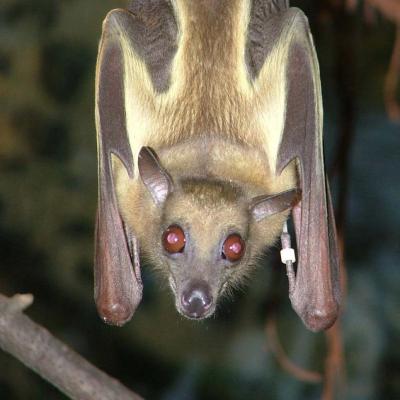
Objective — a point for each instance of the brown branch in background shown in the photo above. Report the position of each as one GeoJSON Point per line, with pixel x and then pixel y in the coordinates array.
{"type": "Point", "coordinates": [369, 14]}
{"type": "Point", "coordinates": [392, 80]}
{"type": "Point", "coordinates": [283, 360]}
{"type": "Point", "coordinates": [351, 5]}
{"type": "Point", "coordinates": [344, 24]}
{"type": "Point", "coordinates": [334, 371]}
{"type": "Point", "coordinates": [35, 347]}
{"type": "Point", "coordinates": [389, 8]}
{"type": "Point", "coordinates": [334, 377]}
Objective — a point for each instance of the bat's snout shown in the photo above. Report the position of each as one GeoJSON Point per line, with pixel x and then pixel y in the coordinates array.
{"type": "Point", "coordinates": [196, 300]}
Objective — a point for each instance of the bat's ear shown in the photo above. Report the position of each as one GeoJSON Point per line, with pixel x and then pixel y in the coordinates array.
{"type": "Point", "coordinates": [265, 206]}
{"type": "Point", "coordinates": [118, 286]}
{"type": "Point", "coordinates": [154, 176]}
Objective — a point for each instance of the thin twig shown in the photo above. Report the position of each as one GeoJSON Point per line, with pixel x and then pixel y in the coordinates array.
{"type": "Point", "coordinates": [34, 346]}
{"type": "Point", "coordinates": [334, 376]}
{"type": "Point", "coordinates": [283, 360]}
{"type": "Point", "coordinates": [334, 371]}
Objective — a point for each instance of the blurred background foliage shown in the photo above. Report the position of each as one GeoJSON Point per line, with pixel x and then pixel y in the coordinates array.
{"type": "Point", "coordinates": [48, 189]}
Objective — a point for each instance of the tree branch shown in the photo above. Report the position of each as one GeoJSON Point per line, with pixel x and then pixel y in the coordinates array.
{"type": "Point", "coordinates": [283, 360]}
{"type": "Point", "coordinates": [35, 347]}
{"type": "Point", "coordinates": [389, 8]}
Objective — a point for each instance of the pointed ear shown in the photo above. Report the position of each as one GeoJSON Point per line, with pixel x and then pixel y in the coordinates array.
{"type": "Point", "coordinates": [154, 176]}
{"type": "Point", "coordinates": [265, 206]}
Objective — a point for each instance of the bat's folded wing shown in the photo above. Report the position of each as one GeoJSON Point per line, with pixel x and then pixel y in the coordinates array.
{"type": "Point", "coordinates": [135, 54]}
{"type": "Point", "coordinates": [316, 294]}
{"type": "Point", "coordinates": [118, 286]}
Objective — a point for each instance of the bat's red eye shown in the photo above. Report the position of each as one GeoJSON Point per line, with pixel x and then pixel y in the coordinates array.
{"type": "Point", "coordinates": [173, 239]}
{"type": "Point", "coordinates": [233, 248]}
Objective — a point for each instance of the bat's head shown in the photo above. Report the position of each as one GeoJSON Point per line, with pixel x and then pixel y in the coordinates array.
{"type": "Point", "coordinates": [204, 240]}
{"type": "Point", "coordinates": [204, 233]}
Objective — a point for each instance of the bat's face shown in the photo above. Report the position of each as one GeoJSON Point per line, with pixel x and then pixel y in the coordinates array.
{"type": "Point", "coordinates": [204, 243]}
{"type": "Point", "coordinates": [203, 233]}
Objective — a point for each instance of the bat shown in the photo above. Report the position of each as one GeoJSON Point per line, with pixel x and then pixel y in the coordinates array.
{"type": "Point", "coordinates": [209, 132]}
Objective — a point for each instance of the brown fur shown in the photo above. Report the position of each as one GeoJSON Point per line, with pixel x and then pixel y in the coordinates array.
{"type": "Point", "coordinates": [207, 133]}
{"type": "Point", "coordinates": [227, 93]}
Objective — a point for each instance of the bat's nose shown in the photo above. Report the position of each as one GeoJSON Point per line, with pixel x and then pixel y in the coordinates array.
{"type": "Point", "coordinates": [196, 299]}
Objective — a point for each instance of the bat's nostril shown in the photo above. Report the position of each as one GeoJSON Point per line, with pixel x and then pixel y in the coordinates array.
{"type": "Point", "coordinates": [196, 300]}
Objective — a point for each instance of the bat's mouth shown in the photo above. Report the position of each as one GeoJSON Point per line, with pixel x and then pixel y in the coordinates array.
{"type": "Point", "coordinates": [197, 315]}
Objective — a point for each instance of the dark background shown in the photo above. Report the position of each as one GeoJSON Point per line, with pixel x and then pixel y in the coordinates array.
{"type": "Point", "coordinates": [48, 191]}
